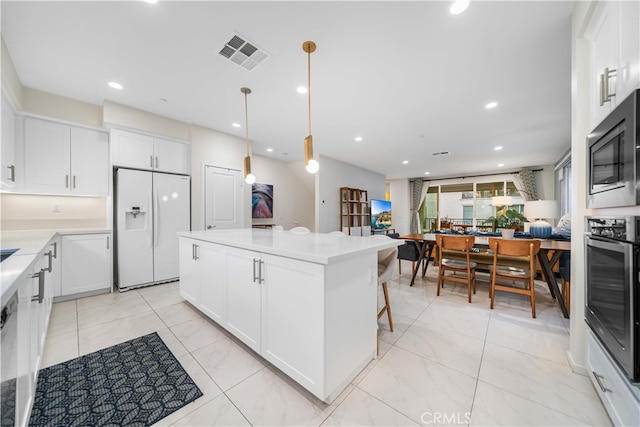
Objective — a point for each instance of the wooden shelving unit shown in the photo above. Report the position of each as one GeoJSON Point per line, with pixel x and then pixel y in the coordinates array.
{"type": "Point", "coordinates": [355, 212]}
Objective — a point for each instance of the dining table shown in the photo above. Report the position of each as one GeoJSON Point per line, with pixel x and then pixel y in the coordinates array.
{"type": "Point", "coordinates": [426, 242]}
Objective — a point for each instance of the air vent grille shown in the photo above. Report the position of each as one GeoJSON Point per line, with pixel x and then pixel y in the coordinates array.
{"type": "Point", "coordinates": [243, 53]}
{"type": "Point", "coordinates": [441, 153]}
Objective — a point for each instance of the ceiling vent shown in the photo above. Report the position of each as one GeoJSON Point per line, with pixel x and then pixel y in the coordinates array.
{"type": "Point", "coordinates": [441, 153]}
{"type": "Point", "coordinates": [243, 53]}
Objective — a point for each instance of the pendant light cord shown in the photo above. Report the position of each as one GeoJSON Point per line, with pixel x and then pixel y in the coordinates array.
{"type": "Point", "coordinates": [309, 88]}
{"type": "Point", "coordinates": [246, 121]}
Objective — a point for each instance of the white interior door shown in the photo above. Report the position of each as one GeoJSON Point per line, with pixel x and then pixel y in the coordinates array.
{"type": "Point", "coordinates": [134, 210]}
{"type": "Point", "coordinates": [171, 215]}
{"type": "Point", "coordinates": [223, 198]}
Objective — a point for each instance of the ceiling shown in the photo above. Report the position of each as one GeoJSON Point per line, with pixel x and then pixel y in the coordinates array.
{"type": "Point", "coordinates": [410, 78]}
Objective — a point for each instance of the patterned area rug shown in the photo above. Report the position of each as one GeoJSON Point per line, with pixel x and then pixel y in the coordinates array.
{"type": "Point", "coordinates": [135, 383]}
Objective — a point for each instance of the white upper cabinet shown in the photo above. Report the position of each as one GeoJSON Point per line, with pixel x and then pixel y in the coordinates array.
{"type": "Point", "coordinates": [8, 153]}
{"type": "Point", "coordinates": [614, 33]}
{"type": "Point", "coordinates": [629, 64]}
{"type": "Point", "coordinates": [63, 159]}
{"type": "Point", "coordinates": [139, 151]}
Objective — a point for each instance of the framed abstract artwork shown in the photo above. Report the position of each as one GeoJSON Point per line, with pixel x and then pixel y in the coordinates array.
{"type": "Point", "coordinates": [262, 201]}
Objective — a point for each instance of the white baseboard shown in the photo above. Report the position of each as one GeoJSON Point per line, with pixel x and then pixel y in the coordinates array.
{"type": "Point", "coordinates": [578, 369]}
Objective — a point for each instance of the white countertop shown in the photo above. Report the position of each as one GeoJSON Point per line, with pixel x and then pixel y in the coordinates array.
{"type": "Point", "coordinates": [319, 248]}
{"type": "Point", "coordinates": [29, 244]}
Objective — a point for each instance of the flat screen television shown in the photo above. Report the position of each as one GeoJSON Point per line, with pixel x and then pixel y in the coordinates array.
{"type": "Point", "coordinates": [380, 214]}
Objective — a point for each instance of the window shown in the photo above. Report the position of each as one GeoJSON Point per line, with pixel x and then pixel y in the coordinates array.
{"type": "Point", "coordinates": [563, 185]}
{"type": "Point", "coordinates": [465, 205]}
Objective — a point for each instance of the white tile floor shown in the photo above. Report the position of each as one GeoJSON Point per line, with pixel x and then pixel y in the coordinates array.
{"type": "Point", "coordinates": [447, 363]}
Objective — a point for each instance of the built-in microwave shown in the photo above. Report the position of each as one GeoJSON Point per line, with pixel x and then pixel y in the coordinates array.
{"type": "Point", "coordinates": [614, 157]}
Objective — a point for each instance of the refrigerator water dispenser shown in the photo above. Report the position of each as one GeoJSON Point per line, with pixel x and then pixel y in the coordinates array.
{"type": "Point", "coordinates": [135, 219]}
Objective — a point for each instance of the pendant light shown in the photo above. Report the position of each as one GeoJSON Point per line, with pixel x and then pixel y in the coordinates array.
{"type": "Point", "coordinates": [310, 163]}
{"type": "Point", "coordinates": [249, 178]}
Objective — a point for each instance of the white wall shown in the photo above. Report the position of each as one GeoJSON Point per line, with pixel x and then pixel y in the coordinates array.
{"type": "Point", "coordinates": [61, 108]}
{"type": "Point", "coordinates": [293, 191]}
{"type": "Point", "coordinates": [132, 118]}
{"type": "Point", "coordinates": [546, 183]}
{"type": "Point", "coordinates": [218, 149]}
{"type": "Point", "coordinates": [400, 196]}
{"type": "Point", "coordinates": [334, 174]}
{"type": "Point", "coordinates": [35, 212]}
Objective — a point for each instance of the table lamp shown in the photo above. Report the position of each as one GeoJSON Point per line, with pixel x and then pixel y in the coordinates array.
{"type": "Point", "coordinates": [537, 211]}
{"type": "Point", "coordinates": [504, 201]}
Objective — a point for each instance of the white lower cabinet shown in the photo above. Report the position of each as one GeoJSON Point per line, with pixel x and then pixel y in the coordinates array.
{"type": "Point", "coordinates": [243, 295]}
{"type": "Point", "coordinates": [314, 322]}
{"type": "Point", "coordinates": [54, 277]}
{"type": "Point", "coordinates": [25, 387]}
{"type": "Point", "coordinates": [292, 319]}
{"type": "Point", "coordinates": [35, 296]}
{"type": "Point", "coordinates": [620, 398]}
{"type": "Point", "coordinates": [201, 280]}
{"type": "Point", "coordinates": [86, 263]}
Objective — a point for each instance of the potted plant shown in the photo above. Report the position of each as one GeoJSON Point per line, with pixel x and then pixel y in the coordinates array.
{"type": "Point", "coordinates": [508, 219]}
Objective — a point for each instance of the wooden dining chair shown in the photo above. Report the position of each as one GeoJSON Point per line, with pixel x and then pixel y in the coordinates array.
{"type": "Point", "coordinates": [461, 245]}
{"type": "Point", "coordinates": [527, 248]}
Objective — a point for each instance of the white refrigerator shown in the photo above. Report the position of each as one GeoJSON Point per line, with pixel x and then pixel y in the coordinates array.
{"type": "Point", "coordinates": [150, 209]}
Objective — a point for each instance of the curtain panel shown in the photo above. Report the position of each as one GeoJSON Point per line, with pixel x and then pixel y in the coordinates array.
{"type": "Point", "coordinates": [525, 184]}
{"type": "Point", "coordinates": [415, 186]}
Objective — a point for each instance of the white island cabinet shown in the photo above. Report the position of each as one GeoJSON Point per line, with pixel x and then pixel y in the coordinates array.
{"type": "Point", "coordinates": [306, 303]}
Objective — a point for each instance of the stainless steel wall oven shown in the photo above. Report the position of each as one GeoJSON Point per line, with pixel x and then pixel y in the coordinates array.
{"type": "Point", "coordinates": [614, 157]}
{"type": "Point", "coordinates": [613, 288]}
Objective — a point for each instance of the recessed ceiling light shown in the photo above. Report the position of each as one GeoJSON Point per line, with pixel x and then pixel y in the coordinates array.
{"type": "Point", "coordinates": [405, 162]}
{"type": "Point", "coordinates": [358, 138]}
{"type": "Point", "coordinates": [491, 105]}
{"type": "Point", "coordinates": [151, 1]}
{"type": "Point", "coordinates": [235, 125]}
{"type": "Point", "coordinates": [270, 150]}
{"type": "Point", "coordinates": [459, 6]}
{"type": "Point", "coordinates": [302, 89]}
{"type": "Point", "coordinates": [500, 165]}
{"type": "Point", "coordinates": [427, 173]}
{"type": "Point", "coordinates": [116, 85]}
{"type": "Point", "coordinates": [498, 147]}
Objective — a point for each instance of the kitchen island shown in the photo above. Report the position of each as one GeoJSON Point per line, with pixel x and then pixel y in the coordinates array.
{"type": "Point", "coordinates": [307, 303]}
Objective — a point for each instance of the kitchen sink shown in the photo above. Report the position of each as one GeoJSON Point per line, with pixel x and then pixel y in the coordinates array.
{"type": "Point", "coordinates": [6, 253]}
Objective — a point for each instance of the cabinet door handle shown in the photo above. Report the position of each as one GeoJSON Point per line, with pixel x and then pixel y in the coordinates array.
{"type": "Point", "coordinates": [50, 267]}
{"type": "Point", "coordinates": [55, 249]}
{"type": "Point", "coordinates": [254, 271]}
{"type": "Point", "coordinates": [40, 276]}
{"type": "Point", "coordinates": [194, 251]}
{"type": "Point", "coordinates": [156, 162]}
{"type": "Point", "coordinates": [74, 181]}
{"type": "Point", "coordinates": [151, 161]}
{"type": "Point", "coordinates": [12, 174]}
{"type": "Point", "coordinates": [108, 242]}
{"type": "Point", "coordinates": [599, 379]}
{"type": "Point", "coordinates": [605, 96]}
{"type": "Point", "coordinates": [66, 181]}
{"type": "Point", "coordinates": [261, 279]}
